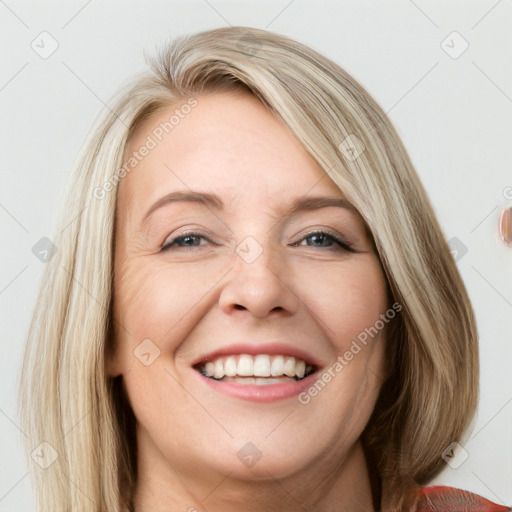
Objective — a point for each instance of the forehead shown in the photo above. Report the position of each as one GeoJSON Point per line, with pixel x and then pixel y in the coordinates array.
{"type": "Point", "coordinates": [228, 144]}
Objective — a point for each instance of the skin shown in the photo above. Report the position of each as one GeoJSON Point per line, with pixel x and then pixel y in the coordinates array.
{"type": "Point", "coordinates": [192, 300]}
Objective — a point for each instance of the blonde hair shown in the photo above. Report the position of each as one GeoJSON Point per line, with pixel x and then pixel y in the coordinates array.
{"type": "Point", "coordinates": [66, 398]}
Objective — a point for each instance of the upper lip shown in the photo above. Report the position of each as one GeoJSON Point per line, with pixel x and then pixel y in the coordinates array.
{"type": "Point", "coordinates": [259, 348]}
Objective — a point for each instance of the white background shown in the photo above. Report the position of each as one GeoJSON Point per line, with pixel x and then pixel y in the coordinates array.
{"type": "Point", "coordinates": [453, 114]}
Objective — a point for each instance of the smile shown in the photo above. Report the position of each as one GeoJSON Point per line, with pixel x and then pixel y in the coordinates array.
{"type": "Point", "coordinates": [258, 373]}
{"type": "Point", "coordinates": [261, 369]}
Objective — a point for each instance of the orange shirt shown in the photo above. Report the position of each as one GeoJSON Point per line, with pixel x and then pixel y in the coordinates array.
{"type": "Point", "coordinates": [449, 499]}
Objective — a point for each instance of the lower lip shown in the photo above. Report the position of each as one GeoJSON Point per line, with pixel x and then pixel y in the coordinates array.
{"type": "Point", "coordinates": [261, 393]}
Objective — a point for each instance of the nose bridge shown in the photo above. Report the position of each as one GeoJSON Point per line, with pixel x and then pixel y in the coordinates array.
{"type": "Point", "coordinates": [257, 238]}
{"type": "Point", "coordinates": [257, 262]}
{"type": "Point", "coordinates": [250, 249]}
{"type": "Point", "coordinates": [255, 282]}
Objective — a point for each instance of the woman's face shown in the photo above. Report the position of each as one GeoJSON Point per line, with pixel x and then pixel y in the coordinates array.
{"type": "Point", "coordinates": [224, 305]}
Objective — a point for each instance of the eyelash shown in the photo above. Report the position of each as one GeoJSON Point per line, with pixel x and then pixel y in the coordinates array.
{"type": "Point", "coordinates": [342, 245]}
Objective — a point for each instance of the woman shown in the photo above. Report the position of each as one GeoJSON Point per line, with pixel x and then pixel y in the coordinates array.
{"type": "Point", "coordinates": [254, 307]}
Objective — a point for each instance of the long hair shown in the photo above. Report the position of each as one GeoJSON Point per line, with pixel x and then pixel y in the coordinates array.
{"type": "Point", "coordinates": [66, 398]}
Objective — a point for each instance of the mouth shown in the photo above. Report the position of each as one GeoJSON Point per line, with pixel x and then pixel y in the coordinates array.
{"type": "Point", "coordinates": [258, 373]}
{"type": "Point", "coordinates": [259, 370]}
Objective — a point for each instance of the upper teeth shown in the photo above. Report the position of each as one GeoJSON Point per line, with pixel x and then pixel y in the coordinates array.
{"type": "Point", "coordinates": [261, 365]}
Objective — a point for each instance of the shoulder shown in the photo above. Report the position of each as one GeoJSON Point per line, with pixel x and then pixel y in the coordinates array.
{"type": "Point", "coordinates": [450, 499]}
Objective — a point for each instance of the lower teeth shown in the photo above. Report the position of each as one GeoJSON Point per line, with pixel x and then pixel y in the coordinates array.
{"type": "Point", "coordinates": [257, 380]}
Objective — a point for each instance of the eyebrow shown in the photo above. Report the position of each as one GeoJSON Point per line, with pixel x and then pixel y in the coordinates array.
{"type": "Point", "coordinates": [304, 203]}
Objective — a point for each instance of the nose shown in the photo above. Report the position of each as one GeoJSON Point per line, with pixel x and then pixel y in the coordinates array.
{"type": "Point", "coordinates": [259, 282]}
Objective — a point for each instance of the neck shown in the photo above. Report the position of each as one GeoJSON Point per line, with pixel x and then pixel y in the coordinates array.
{"type": "Point", "coordinates": [343, 488]}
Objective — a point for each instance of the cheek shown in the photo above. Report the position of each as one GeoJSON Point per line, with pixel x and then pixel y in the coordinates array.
{"type": "Point", "coordinates": [155, 299]}
{"type": "Point", "coordinates": [348, 300]}
{"type": "Point", "coordinates": [349, 307]}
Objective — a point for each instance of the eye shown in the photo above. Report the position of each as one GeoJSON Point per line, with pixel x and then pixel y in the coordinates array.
{"type": "Point", "coordinates": [184, 240]}
{"type": "Point", "coordinates": [320, 239]}
{"type": "Point", "coordinates": [327, 241]}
